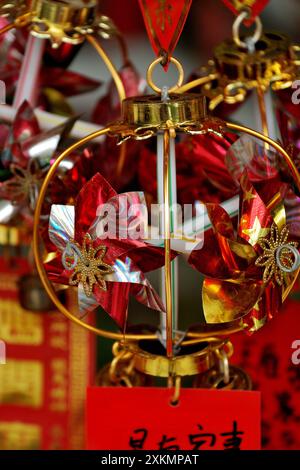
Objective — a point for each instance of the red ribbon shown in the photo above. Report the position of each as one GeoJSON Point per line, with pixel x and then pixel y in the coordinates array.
{"type": "Point", "coordinates": [255, 7]}
{"type": "Point", "coordinates": [164, 20]}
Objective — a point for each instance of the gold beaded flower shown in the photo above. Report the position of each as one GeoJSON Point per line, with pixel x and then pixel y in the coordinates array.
{"type": "Point", "coordinates": [278, 254]}
{"type": "Point", "coordinates": [90, 268]}
{"type": "Point", "coordinates": [25, 183]}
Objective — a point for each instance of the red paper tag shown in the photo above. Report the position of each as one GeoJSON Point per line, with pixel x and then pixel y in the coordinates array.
{"type": "Point", "coordinates": [256, 7]}
{"type": "Point", "coordinates": [164, 21]}
{"type": "Point", "coordinates": [142, 418]}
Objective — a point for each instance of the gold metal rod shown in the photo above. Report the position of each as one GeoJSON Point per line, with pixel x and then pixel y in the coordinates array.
{"type": "Point", "coordinates": [197, 82]}
{"type": "Point", "coordinates": [121, 159]}
{"type": "Point", "coordinates": [197, 335]}
{"type": "Point", "coordinates": [276, 199]}
{"type": "Point", "coordinates": [167, 237]}
{"type": "Point", "coordinates": [123, 48]}
{"type": "Point", "coordinates": [176, 394]}
{"type": "Point", "coordinates": [112, 69]}
{"type": "Point", "coordinates": [19, 22]}
{"type": "Point", "coordinates": [263, 113]}
{"type": "Point", "coordinates": [292, 167]}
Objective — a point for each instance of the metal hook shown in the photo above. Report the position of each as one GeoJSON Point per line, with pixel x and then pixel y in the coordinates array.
{"type": "Point", "coordinates": [296, 263]}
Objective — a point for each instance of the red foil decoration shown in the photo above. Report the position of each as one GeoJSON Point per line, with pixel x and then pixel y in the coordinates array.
{"type": "Point", "coordinates": [255, 6]}
{"type": "Point", "coordinates": [101, 158]}
{"type": "Point", "coordinates": [53, 74]}
{"type": "Point", "coordinates": [164, 20]}
{"type": "Point", "coordinates": [129, 257]}
{"type": "Point", "coordinates": [233, 287]}
{"type": "Point", "coordinates": [26, 153]}
{"type": "Point", "coordinates": [201, 170]}
{"type": "Point", "coordinates": [108, 108]}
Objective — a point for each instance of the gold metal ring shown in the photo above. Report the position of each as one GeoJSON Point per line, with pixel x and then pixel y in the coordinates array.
{"type": "Point", "coordinates": [236, 30]}
{"type": "Point", "coordinates": [159, 61]}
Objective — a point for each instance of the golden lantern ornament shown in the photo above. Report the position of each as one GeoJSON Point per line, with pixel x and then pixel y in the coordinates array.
{"type": "Point", "coordinates": [163, 116]}
{"type": "Point", "coordinates": [235, 286]}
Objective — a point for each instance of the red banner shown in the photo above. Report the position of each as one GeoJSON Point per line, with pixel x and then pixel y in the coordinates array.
{"type": "Point", "coordinates": [164, 20]}
{"type": "Point", "coordinates": [143, 418]}
{"type": "Point", "coordinates": [49, 361]}
{"type": "Point", "coordinates": [255, 6]}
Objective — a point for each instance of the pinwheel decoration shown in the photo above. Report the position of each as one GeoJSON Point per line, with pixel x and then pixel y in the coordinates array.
{"type": "Point", "coordinates": [26, 153]}
{"type": "Point", "coordinates": [99, 254]}
{"type": "Point", "coordinates": [249, 269]}
{"type": "Point", "coordinates": [101, 157]}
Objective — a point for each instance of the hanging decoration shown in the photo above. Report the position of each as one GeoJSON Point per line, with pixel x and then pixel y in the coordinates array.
{"type": "Point", "coordinates": [252, 271]}
{"type": "Point", "coordinates": [261, 63]}
{"type": "Point", "coordinates": [238, 259]}
{"type": "Point", "coordinates": [164, 22]}
{"type": "Point", "coordinates": [56, 83]}
{"type": "Point", "coordinates": [62, 24]}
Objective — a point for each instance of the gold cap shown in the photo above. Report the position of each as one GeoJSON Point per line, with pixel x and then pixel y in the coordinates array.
{"type": "Point", "coordinates": [61, 21]}
{"type": "Point", "coordinates": [144, 111]}
{"type": "Point", "coordinates": [272, 60]}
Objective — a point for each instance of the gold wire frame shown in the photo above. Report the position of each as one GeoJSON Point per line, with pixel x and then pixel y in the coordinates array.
{"type": "Point", "coordinates": [193, 335]}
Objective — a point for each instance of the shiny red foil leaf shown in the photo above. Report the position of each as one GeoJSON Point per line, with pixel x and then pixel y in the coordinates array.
{"type": "Point", "coordinates": [108, 108]}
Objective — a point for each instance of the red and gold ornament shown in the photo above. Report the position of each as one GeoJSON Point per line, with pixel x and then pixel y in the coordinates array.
{"type": "Point", "coordinates": [164, 20]}
{"type": "Point", "coordinates": [254, 6]}
{"type": "Point", "coordinates": [107, 266]}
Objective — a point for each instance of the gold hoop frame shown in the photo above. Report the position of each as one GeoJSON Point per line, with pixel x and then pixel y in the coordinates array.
{"type": "Point", "coordinates": [195, 336]}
